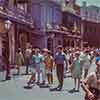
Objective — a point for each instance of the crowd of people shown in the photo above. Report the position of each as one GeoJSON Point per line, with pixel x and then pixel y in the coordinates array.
{"type": "Point", "coordinates": [76, 61]}
{"type": "Point", "coordinates": [71, 60]}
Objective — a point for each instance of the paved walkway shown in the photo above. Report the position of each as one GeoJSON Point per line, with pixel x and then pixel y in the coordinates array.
{"type": "Point", "coordinates": [13, 90]}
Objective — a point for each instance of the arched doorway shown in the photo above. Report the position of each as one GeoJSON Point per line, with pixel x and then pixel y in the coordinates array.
{"type": "Point", "coordinates": [66, 42]}
{"type": "Point", "coordinates": [72, 43]}
{"type": "Point", "coordinates": [23, 40]}
{"type": "Point", "coordinates": [5, 48]}
{"type": "Point", "coordinates": [50, 44]}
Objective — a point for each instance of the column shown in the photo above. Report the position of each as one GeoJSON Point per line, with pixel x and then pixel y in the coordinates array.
{"type": "Point", "coordinates": [75, 44]}
{"type": "Point", "coordinates": [82, 33]}
{"type": "Point", "coordinates": [82, 44]}
{"type": "Point", "coordinates": [70, 43]}
{"type": "Point", "coordinates": [12, 46]}
{"type": "Point", "coordinates": [45, 41]}
{"type": "Point", "coordinates": [0, 46]}
{"type": "Point", "coordinates": [54, 45]}
{"type": "Point", "coordinates": [11, 3]}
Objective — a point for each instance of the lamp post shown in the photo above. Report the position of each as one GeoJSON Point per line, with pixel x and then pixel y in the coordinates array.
{"type": "Point", "coordinates": [7, 25]}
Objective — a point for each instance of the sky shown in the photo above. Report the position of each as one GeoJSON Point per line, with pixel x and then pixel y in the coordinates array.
{"type": "Point", "coordinates": [89, 2]}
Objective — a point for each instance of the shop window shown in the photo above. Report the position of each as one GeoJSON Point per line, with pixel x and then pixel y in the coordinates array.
{"type": "Point", "coordinates": [23, 39]}
{"type": "Point", "coordinates": [86, 14]}
{"type": "Point", "coordinates": [59, 42]}
{"type": "Point", "coordinates": [66, 42]}
{"type": "Point", "coordinates": [50, 45]}
{"type": "Point", "coordinates": [97, 10]}
{"type": "Point", "coordinates": [72, 43]}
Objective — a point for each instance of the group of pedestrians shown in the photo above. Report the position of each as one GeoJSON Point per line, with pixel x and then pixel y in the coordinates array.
{"type": "Point", "coordinates": [41, 62]}
{"type": "Point", "coordinates": [42, 65]}
{"type": "Point", "coordinates": [66, 60]}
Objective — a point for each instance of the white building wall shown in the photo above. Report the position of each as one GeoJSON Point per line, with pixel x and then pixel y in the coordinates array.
{"type": "Point", "coordinates": [91, 13]}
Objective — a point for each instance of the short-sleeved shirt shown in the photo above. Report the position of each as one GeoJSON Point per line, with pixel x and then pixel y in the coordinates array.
{"type": "Point", "coordinates": [48, 62]}
{"type": "Point", "coordinates": [97, 59]}
{"type": "Point", "coordinates": [87, 63]}
{"type": "Point", "coordinates": [82, 56]}
{"type": "Point", "coordinates": [33, 61]}
{"type": "Point", "coordinates": [38, 58]}
{"type": "Point", "coordinates": [28, 53]}
{"type": "Point", "coordinates": [60, 58]}
{"type": "Point", "coordinates": [77, 66]}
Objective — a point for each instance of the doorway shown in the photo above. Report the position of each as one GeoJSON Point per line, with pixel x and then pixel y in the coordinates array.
{"type": "Point", "coordinates": [5, 48]}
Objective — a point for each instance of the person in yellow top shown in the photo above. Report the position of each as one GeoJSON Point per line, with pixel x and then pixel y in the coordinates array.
{"type": "Point", "coordinates": [49, 63]}
{"type": "Point", "coordinates": [19, 60]}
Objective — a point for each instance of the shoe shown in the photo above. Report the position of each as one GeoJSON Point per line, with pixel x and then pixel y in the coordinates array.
{"type": "Point", "coordinates": [77, 91]}
{"type": "Point", "coordinates": [44, 86]}
{"type": "Point", "coordinates": [53, 89]}
{"type": "Point", "coordinates": [59, 89]}
{"type": "Point", "coordinates": [72, 90]}
{"type": "Point", "coordinates": [43, 83]}
{"type": "Point", "coordinates": [58, 86]}
{"type": "Point", "coordinates": [65, 76]}
{"type": "Point", "coordinates": [27, 87]}
{"type": "Point", "coordinates": [38, 83]}
{"type": "Point", "coordinates": [8, 78]}
{"type": "Point", "coordinates": [31, 82]}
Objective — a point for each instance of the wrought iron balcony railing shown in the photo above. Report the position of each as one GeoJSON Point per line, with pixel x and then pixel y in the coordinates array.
{"type": "Point", "coordinates": [17, 14]}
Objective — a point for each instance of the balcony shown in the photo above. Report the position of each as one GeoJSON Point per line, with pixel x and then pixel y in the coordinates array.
{"type": "Point", "coordinates": [16, 15]}
{"type": "Point", "coordinates": [60, 29]}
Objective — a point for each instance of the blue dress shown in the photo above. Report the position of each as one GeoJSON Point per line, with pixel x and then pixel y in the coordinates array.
{"type": "Point", "coordinates": [76, 73]}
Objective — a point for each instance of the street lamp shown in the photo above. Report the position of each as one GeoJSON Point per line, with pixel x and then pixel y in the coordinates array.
{"type": "Point", "coordinates": [7, 25]}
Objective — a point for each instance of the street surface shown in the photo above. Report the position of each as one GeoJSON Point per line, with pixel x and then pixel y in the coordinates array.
{"type": "Point", "coordinates": [13, 90]}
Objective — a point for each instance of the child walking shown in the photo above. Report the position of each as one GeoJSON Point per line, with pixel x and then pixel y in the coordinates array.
{"type": "Point", "coordinates": [33, 69]}
{"type": "Point", "coordinates": [49, 62]}
{"type": "Point", "coordinates": [76, 71]}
